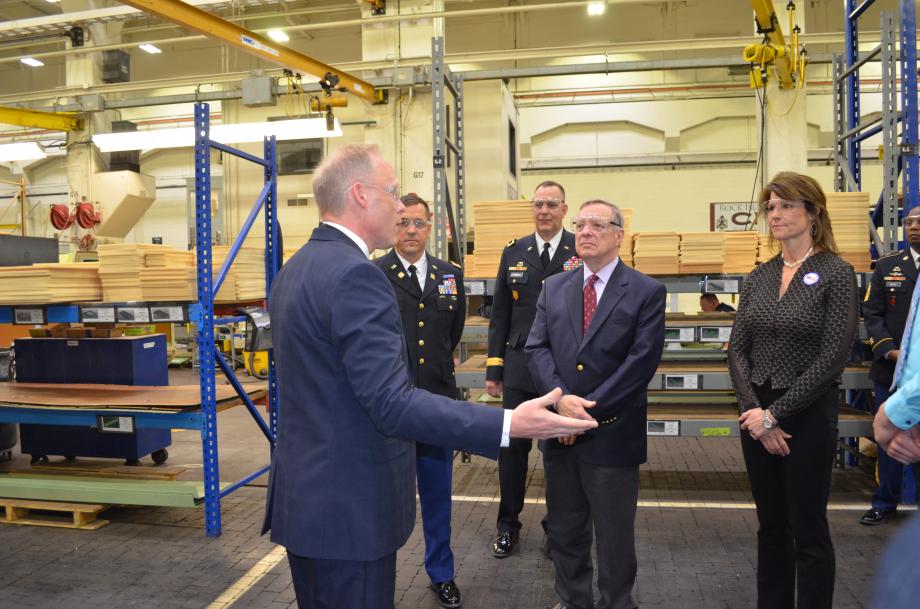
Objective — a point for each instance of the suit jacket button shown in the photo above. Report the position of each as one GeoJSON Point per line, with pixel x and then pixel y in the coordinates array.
{"type": "Point", "coordinates": [421, 324]}
{"type": "Point", "coordinates": [421, 343]}
{"type": "Point", "coordinates": [421, 305]}
{"type": "Point", "coordinates": [580, 367]}
{"type": "Point", "coordinates": [421, 361]}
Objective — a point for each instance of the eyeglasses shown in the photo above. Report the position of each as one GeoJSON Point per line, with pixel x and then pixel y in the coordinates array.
{"type": "Point", "coordinates": [418, 223]}
{"type": "Point", "coordinates": [595, 223]}
{"type": "Point", "coordinates": [391, 191]}
{"type": "Point", "coordinates": [548, 203]}
{"type": "Point", "coordinates": [773, 205]}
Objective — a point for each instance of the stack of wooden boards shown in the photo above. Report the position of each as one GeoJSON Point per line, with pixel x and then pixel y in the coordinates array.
{"type": "Point", "coordinates": [128, 272]}
{"type": "Point", "coordinates": [740, 252]}
{"type": "Point", "coordinates": [246, 279]}
{"type": "Point", "coordinates": [497, 223]}
{"type": "Point", "coordinates": [626, 247]}
{"type": "Point", "coordinates": [766, 251]}
{"type": "Point", "coordinates": [144, 272]}
{"type": "Point", "coordinates": [158, 273]}
{"type": "Point", "coordinates": [849, 213]}
{"type": "Point", "coordinates": [657, 253]}
{"type": "Point", "coordinates": [702, 253]}
{"type": "Point", "coordinates": [49, 283]}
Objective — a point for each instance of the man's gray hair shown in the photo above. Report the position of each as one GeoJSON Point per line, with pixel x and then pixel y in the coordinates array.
{"type": "Point", "coordinates": [335, 175]}
{"type": "Point", "coordinates": [614, 210]}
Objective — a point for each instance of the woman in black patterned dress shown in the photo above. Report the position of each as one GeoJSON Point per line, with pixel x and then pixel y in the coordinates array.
{"type": "Point", "coordinates": [795, 326]}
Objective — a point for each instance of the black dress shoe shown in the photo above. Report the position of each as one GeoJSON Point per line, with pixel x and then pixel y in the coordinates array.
{"type": "Point", "coordinates": [503, 544]}
{"type": "Point", "coordinates": [874, 516]}
{"type": "Point", "coordinates": [448, 594]}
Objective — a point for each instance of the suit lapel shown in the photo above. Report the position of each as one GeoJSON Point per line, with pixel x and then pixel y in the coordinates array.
{"type": "Point", "coordinates": [575, 302]}
{"type": "Point", "coordinates": [531, 255]}
{"type": "Point", "coordinates": [908, 267]}
{"type": "Point", "coordinates": [398, 275]}
{"type": "Point", "coordinates": [435, 271]}
{"type": "Point", "coordinates": [564, 252]}
{"type": "Point", "coordinates": [613, 292]}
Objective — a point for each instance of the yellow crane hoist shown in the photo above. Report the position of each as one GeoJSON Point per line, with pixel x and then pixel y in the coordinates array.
{"type": "Point", "coordinates": [787, 61]}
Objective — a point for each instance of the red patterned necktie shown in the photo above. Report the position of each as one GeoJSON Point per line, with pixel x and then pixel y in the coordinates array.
{"type": "Point", "coordinates": [590, 303]}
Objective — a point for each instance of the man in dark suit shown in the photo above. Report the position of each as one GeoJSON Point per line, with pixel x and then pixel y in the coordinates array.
{"type": "Point", "coordinates": [598, 334]}
{"type": "Point", "coordinates": [341, 494]}
{"type": "Point", "coordinates": [885, 309]}
{"type": "Point", "coordinates": [432, 305]}
{"type": "Point", "coordinates": [525, 263]}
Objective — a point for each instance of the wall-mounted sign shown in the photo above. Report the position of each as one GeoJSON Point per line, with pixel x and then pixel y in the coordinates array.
{"type": "Point", "coordinates": [725, 217]}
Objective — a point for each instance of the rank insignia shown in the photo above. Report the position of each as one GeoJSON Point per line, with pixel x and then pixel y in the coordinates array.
{"type": "Point", "coordinates": [572, 263]}
{"type": "Point", "coordinates": [401, 274]}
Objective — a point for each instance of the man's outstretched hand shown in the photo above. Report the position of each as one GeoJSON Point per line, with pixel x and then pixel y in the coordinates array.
{"type": "Point", "coordinates": [532, 419]}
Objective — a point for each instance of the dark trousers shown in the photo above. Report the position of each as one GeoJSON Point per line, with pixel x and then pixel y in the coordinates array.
{"type": "Point", "coordinates": [791, 493]}
{"type": "Point", "coordinates": [890, 473]}
{"type": "Point", "coordinates": [434, 469]}
{"type": "Point", "coordinates": [512, 469]}
{"type": "Point", "coordinates": [343, 584]}
{"type": "Point", "coordinates": [584, 501]}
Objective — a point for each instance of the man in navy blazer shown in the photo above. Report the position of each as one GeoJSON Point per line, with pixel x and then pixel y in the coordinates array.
{"type": "Point", "coordinates": [341, 494]}
{"type": "Point", "coordinates": [598, 335]}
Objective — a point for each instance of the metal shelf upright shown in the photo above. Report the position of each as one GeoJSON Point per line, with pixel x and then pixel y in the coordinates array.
{"type": "Point", "coordinates": [899, 158]}
{"type": "Point", "coordinates": [208, 286]}
{"type": "Point", "coordinates": [444, 148]}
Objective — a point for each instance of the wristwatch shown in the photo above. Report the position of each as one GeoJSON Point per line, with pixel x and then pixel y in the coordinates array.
{"type": "Point", "coordinates": [768, 421]}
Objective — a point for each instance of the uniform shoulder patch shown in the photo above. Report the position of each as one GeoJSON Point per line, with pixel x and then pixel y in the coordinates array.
{"type": "Point", "coordinates": [512, 242]}
{"type": "Point", "coordinates": [456, 265]}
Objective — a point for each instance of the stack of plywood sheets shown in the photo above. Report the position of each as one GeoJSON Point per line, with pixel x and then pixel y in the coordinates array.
{"type": "Point", "coordinates": [47, 283]}
{"type": "Point", "coordinates": [701, 252]}
{"type": "Point", "coordinates": [657, 253]}
{"type": "Point", "coordinates": [136, 271]}
{"type": "Point", "coordinates": [497, 223]}
{"type": "Point", "coordinates": [849, 213]}
{"type": "Point", "coordinates": [246, 279]}
{"type": "Point", "coordinates": [740, 251]}
{"type": "Point", "coordinates": [765, 251]}
{"type": "Point", "coordinates": [626, 248]}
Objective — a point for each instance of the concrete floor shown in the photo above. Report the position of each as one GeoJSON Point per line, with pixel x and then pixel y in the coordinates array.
{"type": "Point", "coordinates": [692, 552]}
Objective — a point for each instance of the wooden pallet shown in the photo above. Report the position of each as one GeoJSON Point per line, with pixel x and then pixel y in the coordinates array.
{"type": "Point", "coordinates": [81, 515]}
{"type": "Point", "coordinates": [108, 471]}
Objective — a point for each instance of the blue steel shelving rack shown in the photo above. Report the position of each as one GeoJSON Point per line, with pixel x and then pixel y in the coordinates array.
{"type": "Point", "coordinates": [900, 158]}
{"type": "Point", "coordinates": [201, 314]}
{"type": "Point", "coordinates": [209, 286]}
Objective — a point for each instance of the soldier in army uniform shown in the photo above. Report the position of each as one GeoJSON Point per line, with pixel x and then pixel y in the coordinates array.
{"type": "Point", "coordinates": [433, 310]}
{"type": "Point", "coordinates": [885, 310]}
{"type": "Point", "coordinates": [525, 262]}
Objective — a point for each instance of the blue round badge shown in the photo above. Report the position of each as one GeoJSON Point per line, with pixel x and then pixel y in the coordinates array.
{"type": "Point", "coordinates": [811, 279]}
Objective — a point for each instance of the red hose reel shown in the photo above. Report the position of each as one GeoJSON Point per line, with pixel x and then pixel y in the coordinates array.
{"type": "Point", "coordinates": [84, 214]}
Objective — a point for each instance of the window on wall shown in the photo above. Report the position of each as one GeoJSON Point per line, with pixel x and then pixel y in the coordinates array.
{"type": "Point", "coordinates": [512, 149]}
{"type": "Point", "coordinates": [298, 157]}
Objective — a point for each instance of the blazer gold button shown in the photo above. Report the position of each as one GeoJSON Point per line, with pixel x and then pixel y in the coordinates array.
{"type": "Point", "coordinates": [421, 360]}
{"type": "Point", "coordinates": [580, 367]}
{"type": "Point", "coordinates": [421, 324]}
{"type": "Point", "coordinates": [421, 305]}
{"type": "Point", "coordinates": [421, 343]}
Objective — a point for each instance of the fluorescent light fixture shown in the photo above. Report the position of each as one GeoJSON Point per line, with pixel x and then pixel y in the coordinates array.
{"type": "Point", "coordinates": [52, 1]}
{"type": "Point", "coordinates": [277, 35]}
{"type": "Point", "coordinates": [153, 50]}
{"type": "Point", "coordinates": [182, 137]}
{"type": "Point", "coordinates": [31, 61]}
{"type": "Point", "coordinates": [596, 8]}
{"type": "Point", "coordinates": [21, 151]}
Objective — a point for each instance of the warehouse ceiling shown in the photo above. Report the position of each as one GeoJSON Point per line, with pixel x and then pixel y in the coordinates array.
{"type": "Point", "coordinates": [478, 33]}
